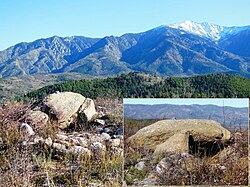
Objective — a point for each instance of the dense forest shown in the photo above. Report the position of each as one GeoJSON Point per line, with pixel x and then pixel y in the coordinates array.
{"type": "Point", "coordinates": [143, 85]}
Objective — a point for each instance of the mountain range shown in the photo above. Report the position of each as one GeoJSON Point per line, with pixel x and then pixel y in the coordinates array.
{"type": "Point", "coordinates": [229, 116]}
{"type": "Point", "coordinates": [184, 49]}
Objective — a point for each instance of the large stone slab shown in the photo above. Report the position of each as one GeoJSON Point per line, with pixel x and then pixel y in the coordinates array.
{"type": "Point", "coordinates": [66, 106]}
{"type": "Point", "coordinates": [201, 130]}
{"type": "Point", "coordinates": [177, 143]}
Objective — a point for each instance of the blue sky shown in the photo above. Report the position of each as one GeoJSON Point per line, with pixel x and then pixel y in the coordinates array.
{"type": "Point", "coordinates": [27, 20]}
{"type": "Point", "coordinates": [179, 101]}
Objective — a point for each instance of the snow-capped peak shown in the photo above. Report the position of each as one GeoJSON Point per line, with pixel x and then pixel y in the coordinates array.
{"type": "Point", "coordinates": [209, 30]}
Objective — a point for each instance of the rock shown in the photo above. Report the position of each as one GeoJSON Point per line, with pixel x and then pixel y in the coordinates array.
{"type": "Point", "coordinates": [150, 180]}
{"type": "Point", "coordinates": [80, 150]}
{"type": "Point", "coordinates": [64, 142]}
{"type": "Point", "coordinates": [99, 122]}
{"type": "Point", "coordinates": [116, 151]}
{"type": "Point", "coordinates": [121, 137]}
{"type": "Point", "coordinates": [97, 148]}
{"type": "Point", "coordinates": [92, 184]}
{"type": "Point", "coordinates": [225, 154]}
{"type": "Point", "coordinates": [82, 141]}
{"type": "Point", "coordinates": [113, 142]}
{"type": "Point", "coordinates": [88, 109]}
{"type": "Point", "coordinates": [119, 131]}
{"type": "Point", "coordinates": [27, 130]}
{"type": "Point", "coordinates": [73, 141]}
{"type": "Point", "coordinates": [59, 147]}
{"type": "Point", "coordinates": [38, 140]}
{"type": "Point", "coordinates": [66, 107]}
{"type": "Point", "coordinates": [177, 143]}
{"type": "Point", "coordinates": [61, 137]}
{"type": "Point", "coordinates": [105, 136]}
{"type": "Point", "coordinates": [201, 130]}
{"type": "Point", "coordinates": [1, 141]}
{"type": "Point", "coordinates": [109, 129]}
{"type": "Point", "coordinates": [101, 114]}
{"type": "Point", "coordinates": [37, 118]}
{"type": "Point", "coordinates": [140, 165]}
{"type": "Point", "coordinates": [175, 164]}
{"type": "Point", "coordinates": [48, 141]}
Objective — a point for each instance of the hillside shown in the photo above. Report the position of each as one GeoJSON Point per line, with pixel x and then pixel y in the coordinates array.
{"type": "Point", "coordinates": [143, 85]}
{"type": "Point", "coordinates": [14, 86]}
{"type": "Point", "coordinates": [171, 50]}
{"type": "Point", "coordinates": [228, 116]}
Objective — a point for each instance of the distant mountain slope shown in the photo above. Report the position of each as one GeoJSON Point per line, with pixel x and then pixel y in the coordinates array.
{"type": "Point", "coordinates": [176, 50]}
{"type": "Point", "coordinates": [14, 86]}
{"type": "Point", "coordinates": [209, 30]}
{"type": "Point", "coordinates": [230, 116]}
{"type": "Point", "coordinates": [41, 56]}
{"type": "Point", "coordinates": [238, 44]}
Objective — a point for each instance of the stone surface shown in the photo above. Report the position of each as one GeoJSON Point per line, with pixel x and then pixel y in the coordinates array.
{"type": "Point", "coordinates": [140, 165]}
{"type": "Point", "coordinates": [38, 140]}
{"type": "Point", "coordinates": [99, 122]}
{"type": "Point", "coordinates": [27, 130]}
{"type": "Point", "coordinates": [82, 141]}
{"type": "Point", "coordinates": [201, 130]}
{"type": "Point", "coordinates": [173, 164]}
{"type": "Point", "coordinates": [37, 118]}
{"type": "Point", "coordinates": [97, 148]}
{"type": "Point", "coordinates": [177, 143]}
{"type": "Point", "coordinates": [80, 150]}
{"type": "Point", "coordinates": [48, 141]}
{"type": "Point", "coordinates": [88, 109]}
{"type": "Point", "coordinates": [105, 136]}
{"type": "Point", "coordinates": [61, 137]}
{"type": "Point", "coordinates": [113, 142]}
{"type": "Point", "coordinates": [66, 107]}
{"type": "Point", "coordinates": [59, 147]}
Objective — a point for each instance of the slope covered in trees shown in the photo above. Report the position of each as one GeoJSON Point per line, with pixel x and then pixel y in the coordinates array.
{"type": "Point", "coordinates": [143, 85]}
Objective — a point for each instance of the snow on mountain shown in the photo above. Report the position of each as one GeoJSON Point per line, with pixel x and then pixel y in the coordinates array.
{"type": "Point", "coordinates": [209, 30]}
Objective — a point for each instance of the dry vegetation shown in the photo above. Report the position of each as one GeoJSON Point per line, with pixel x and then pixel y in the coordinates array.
{"type": "Point", "coordinates": [229, 168]}
{"type": "Point", "coordinates": [22, 165]}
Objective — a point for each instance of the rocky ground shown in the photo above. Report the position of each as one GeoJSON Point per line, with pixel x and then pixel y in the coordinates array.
{"type": "Point", "coordinates": [185, 152]}
{"type": "Point", "coordinates": [67, 140]}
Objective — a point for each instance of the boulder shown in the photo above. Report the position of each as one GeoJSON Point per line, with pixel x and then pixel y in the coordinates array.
{"type": "Point", "coordinates": [66, 107]}
{"type": "Point", "coordinates": [177, 143]}
{"type": "Point", "coordinates": [37, 118]}
{"type": "Point", "coordinates": [88, 109]}
{"type": "Point", "coordinates": [200, 130]}
{"type": "Point", "coordinates": [27, 130]}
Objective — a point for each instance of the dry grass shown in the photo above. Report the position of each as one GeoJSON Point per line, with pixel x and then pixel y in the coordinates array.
{"type": "Point", "coordinates": [229, 169]}
{"type": "Point", "coordinates": [22, 165]}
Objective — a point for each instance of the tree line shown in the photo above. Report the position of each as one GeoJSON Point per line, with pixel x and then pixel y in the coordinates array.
{"type": "Point", "coordinates": [137, 85]}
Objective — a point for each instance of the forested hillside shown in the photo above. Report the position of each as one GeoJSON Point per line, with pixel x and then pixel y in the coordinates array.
{"type": "Point", "coordinates": [144, 85]}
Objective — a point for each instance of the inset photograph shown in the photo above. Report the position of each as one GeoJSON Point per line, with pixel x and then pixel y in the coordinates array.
{"type": "Point", "coordinates": [186, 141]}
